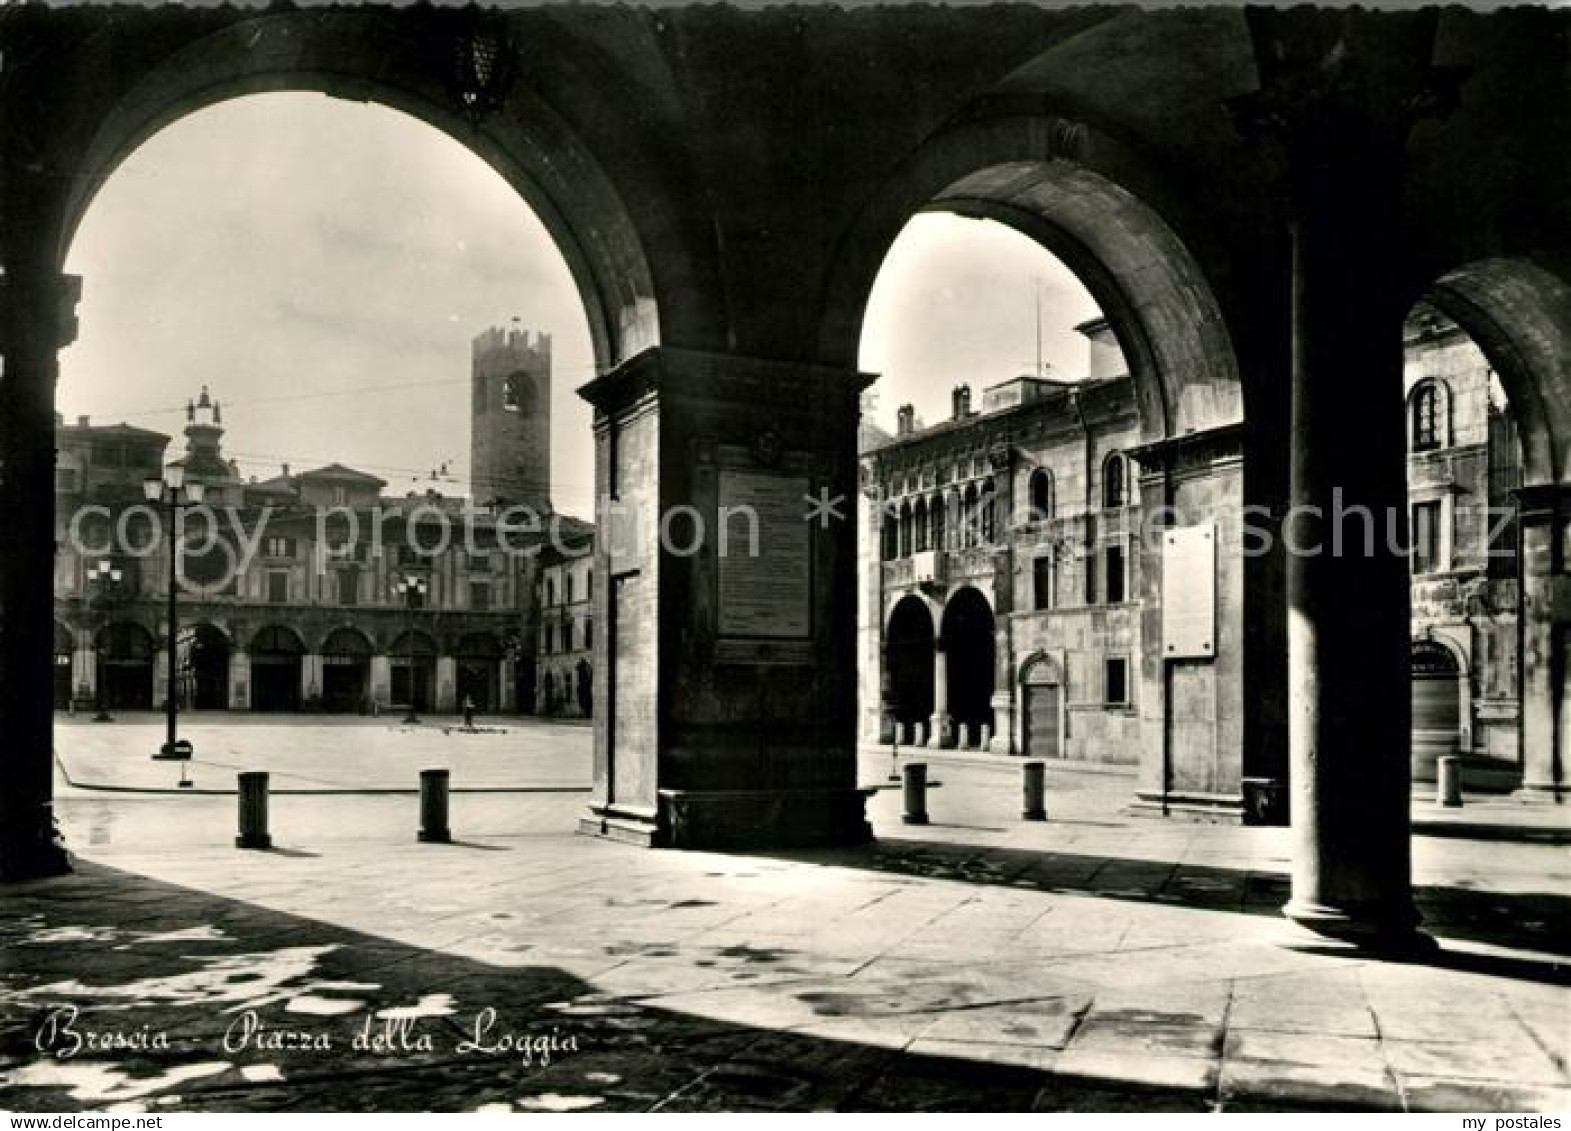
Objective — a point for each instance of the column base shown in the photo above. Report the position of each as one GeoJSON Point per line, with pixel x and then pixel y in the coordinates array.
{"type": "Point", "coordinates": [33, 849]}
{"type": "Point", "coordinates": [738, 819]}
{"type": "Point", "coordinates": [1202, 808]}
{"type": "Point", "coordinates": [1372, 928]}
{"type": "Point", "coordinates": [1538, 793]}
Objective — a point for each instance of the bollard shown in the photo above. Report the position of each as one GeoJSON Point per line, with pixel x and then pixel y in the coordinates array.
{"type": "Point", "coordinates": [915, 793]}
{"type": "Point", "coordinates": [919, 734]}
{"type": "Point", "coordinates": [987, 737]}
{"type": "Point", "coordinates": [1448, 781]}
{"type": "Point", "coordinates": [253, 811]}
{"type": "Point", "coordinates": [1033, 775]}
{"type": "Point", "coordinates": [433, 807]}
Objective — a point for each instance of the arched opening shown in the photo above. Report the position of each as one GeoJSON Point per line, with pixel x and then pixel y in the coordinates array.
{"type": "Point", "coordinates": [413, 660]}
{"type": "Point", "coordinates": [125, 666]}
{"type": "Point", "coordinates": [1437, 707]}
{"type": "Point", "coordinates": [204, 669]}
{"type": "Point", "coordinates": [277, 655]}
{"type": "Point", "coordinates": [1467, 461]}
{"type": "Point", "coordinates": [908, 662]}
{"type": "Point", "coordinates": [346, 671]}
{"type": "Point", "coordinates": [969, 658]}
{"type": "Point", "coordinates": [479, 671]}
{"type": "Point", "coordinates": [1042, 706]}
{"type": "Point", "coordinates": [1087, 331]}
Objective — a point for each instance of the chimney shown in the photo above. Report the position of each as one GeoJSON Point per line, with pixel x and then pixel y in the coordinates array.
{"type": "Point", "coordinates": [905, 417]}
{"type": "Point", "coordinates": [960, 401]}
{"type": "Point", "coordinates": [84, 422]}
{"type": "Point", "coordinates": [286, 471]}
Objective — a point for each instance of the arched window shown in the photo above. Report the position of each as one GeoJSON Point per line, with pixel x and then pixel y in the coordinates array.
{"type": "Point", "coordinates": [968, 517]}
{"type": "Point", "coordinates": [919, 521]}
{"type": "Point", "coordinates": [1429, 411]}
{"type": "Point", "coordinates": [989, 514]}
{"type": "Point", "coordinates": [1115, 491]}
{"type": "Point", "coordinates": [905, 530]}
{"type": "Point", "coordinates": [1041, 495]}
{"type": "Point", "coordinates": [891, 524]}
{"type": "Point", "coordinates": [935, 519]}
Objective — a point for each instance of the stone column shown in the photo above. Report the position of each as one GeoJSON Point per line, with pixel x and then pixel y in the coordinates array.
{"type": "Point", "coordinates": [1546, 615]}
{"type": "Point", "coordinates": [1338, 100]}
{"type": "Point", "coordinates": [84, 673]}
{"type": "Point", "coordinates": [446, 690]}
{"type": "Point", "coordinates": [37, 318]}
{"type": "Point", "coordinates": [381, 681]}
{"type": "Point", "coordinates": [725, 679]}
{"type": "Point", "coordinates": [239, 680]}
{"type": "Point", "coordinates": [940, 728]}
{"type": "Point", "coordinates": [310, 678]}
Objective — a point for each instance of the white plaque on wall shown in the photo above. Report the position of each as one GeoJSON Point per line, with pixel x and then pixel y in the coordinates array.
{"type": "Point", "coordinates": [1189, 593]}
{"type": "Point", "coordinates": [767, 593]}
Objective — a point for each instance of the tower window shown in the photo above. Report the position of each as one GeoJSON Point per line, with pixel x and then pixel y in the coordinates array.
{"type": "Point", "coordinates": [1114, 489]}
{"type": "Point", "coordinates": [1428, 417]}
{"type": "Point", "coordinates": [1041, 495]}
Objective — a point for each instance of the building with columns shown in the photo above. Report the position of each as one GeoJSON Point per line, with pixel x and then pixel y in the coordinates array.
{"type": "Point", "coordinates": [294, 591]}
{"type": "Point", "coordinates": [564, 647]}
{"type": "Point", "coordinates": [1256, 197]}
{"type": "Point", "coordinates": [1002, 570]}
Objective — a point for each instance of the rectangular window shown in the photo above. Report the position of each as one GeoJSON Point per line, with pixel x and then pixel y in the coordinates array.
{"type": "Point", "coordinates": [1042, 595]}
{"type": "Point", "coordinates": [348, 586]}
{"type": "Point", "coordinates": [1088, 561]}
{"type": "Point", "coordinates": [479, 563]}
{"type": "Point", "coordinates": [550, 638]}
{"type": "Point", "coordinates": [1115, 681]}
{"type": "Point", "coordinates": [279, 548]}
{"type": "Point", "coordinates": [278, 587]}
{"type": "Point", "coordinates": [1426, 537]}
{"type": "Point", "coordinates": [480, 596]}
{"type": "Point", "coordinates": [1113, 564]}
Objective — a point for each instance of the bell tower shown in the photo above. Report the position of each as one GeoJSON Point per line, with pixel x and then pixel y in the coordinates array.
{"type": "Point", "coordinates": [510, 420]}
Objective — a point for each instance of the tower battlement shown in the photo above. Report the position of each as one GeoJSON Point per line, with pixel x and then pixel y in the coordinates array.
{"type": "Point", "coordinates": [512, 340]}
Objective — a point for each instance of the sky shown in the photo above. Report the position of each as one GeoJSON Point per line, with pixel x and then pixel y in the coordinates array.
{"type": "Point", "coordinates": [322, 266]}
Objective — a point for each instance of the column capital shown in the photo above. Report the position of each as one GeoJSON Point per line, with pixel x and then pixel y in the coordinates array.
{"type": "Point", "coordinates": [1338, 96]}
{"type": "Point", "coordinates": [55, 295]}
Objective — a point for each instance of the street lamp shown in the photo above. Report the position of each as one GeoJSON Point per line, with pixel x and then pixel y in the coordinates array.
{"type": "Point", "coordinates": [412, 589]}
{"type": "Point", "coordinates": [174, 494]}
{"type": "Point", "coordinates": [106, 575]}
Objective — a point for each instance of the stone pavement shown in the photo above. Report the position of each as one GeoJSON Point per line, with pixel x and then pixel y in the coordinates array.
{"type": "Point", "coordinates": [317, 754]}
{"type": "Point", "coordinates": [1093, 962]}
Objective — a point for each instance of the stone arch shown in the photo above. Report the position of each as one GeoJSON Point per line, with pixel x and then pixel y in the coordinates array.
{"type": "Point", "coordinates": [967, 635]}
{"type": "Point", "coordinates": [359, 57]}
{"type": "Point", "coordinates": [908, 663]}
{"type": "Point", "coordinates": [1087, 199]}
{"type": "Point", "coordinates": [1519, 314]}
{"type": "Point", "coordinates": [1449, 665]}
{"type": "Point", "coordinates": [1041, 667]}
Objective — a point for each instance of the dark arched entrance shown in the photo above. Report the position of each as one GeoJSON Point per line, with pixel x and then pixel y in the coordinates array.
{"type": "Point", "coordinates": [968, 659]}
{"type": "Point", "coordinates": [1437, 707]}
{"type": "Point", "coordinates": [413, 659]}
{"type": "Point", "coordinates": [479, 671]}
{"type": "Point", "coordinates": [63, 650]}
{"type": "Point", "coordinates": [346, 670]}
{"type": "Point", "coordinates": [204, 669]}
{"type": "Point", "coordinates": [908, 657]}
{"type": "Point", "coordinates": [276, 655]}
{"type": "Point", "coordinates": [125, 666]}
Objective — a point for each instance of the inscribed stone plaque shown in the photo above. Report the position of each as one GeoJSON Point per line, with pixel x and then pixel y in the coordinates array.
{"type": "Point", "coordinates": [1189, 593]}
{"type": "Point", "coordinates": [767, 593]}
